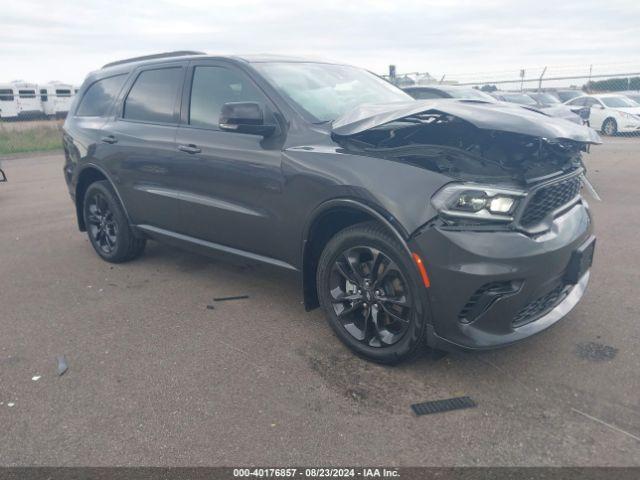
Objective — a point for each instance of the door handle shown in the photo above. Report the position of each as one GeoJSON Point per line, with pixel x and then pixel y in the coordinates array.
{"type": "Point", "coordinates": [191, 148]}
{"type": "Point", "coordinates": [109, 139]}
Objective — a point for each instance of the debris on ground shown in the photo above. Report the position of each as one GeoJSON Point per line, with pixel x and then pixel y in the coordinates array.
{"type": "Point", "coordinates": [35, 378]}
{"type": "Point", "coordinates": [224, 299]}
{"type": "Point", "coordinates": [10, 404]}
{"type": "Point", "coordinates": [210, 307]}
{"type": "Point", "coordinates": [62, 365]}
{"type": "Point", "coordinates": [438, 406]}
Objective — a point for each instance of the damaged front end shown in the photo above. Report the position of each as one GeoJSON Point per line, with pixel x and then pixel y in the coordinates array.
{"type": "Point", "coordinates": [507, 242]}
{"type": "Point", "coordinates": [513, 166]}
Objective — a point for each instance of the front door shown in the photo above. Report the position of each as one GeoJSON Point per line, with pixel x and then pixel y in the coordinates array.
{"type": "Point", "coordinates": [233, 181]}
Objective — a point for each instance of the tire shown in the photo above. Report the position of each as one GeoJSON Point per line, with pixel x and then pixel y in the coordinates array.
{"type": "Point", "coordinates": [609, 127]}
{"type": "Point", "coordinates": [107, 226]}
{"type": "Point", "coordinates": [364, 322]}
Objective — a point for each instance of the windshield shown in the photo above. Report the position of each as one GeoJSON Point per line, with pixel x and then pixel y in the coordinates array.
{"type": "Point", "coordinates": [325, 91]}
{"type": "Point", "coordinates": [619, 102]}
{"type": "Point", "coordinates": [519, 98]}
{"type": "Point", "coordinates": [545, 98]}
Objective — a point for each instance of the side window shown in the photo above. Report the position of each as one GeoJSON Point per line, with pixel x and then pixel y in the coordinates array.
{"type": "Point", "coordinates": [578, 101]}
{"type": "Point", "coordinates": [6, 95]}
{"type": "Point", "coordinates": [212, 87]}
{"type": "Point", "coordinates": [153, 96]}
{"type": "Point", "coordinates": [99, 97]}
{"type": "Point", "coordinates": [43, 95]}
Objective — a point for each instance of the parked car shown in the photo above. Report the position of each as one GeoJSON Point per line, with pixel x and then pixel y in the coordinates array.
{"type": "Point", "coordinates": [610, 113]}
{"type": "Point", "coordinates": [448, 91]}
{"type": "Point", "coordinates": [632, 94]}
{"type": "Point", "coordinates": [546, 100]}
{"type": "Point", "coordinates": [564, 95]}
{"type": "Point", "coordinates": [450, 223]}
{"type": "Point", "coordinates": [553, 110]}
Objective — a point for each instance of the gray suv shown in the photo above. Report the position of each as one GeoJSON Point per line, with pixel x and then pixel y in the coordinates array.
{"type": "Point", "coordinates": [447, 223]}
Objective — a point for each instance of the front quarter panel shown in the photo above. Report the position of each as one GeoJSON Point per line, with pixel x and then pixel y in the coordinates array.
{"type": "Point", "coordinates": [317, 174]}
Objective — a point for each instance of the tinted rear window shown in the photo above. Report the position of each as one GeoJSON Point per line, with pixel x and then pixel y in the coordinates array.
{"type": "Point", "coordinates": [99, 97]}
{"type": "Point", "coordinates": [153, 96]}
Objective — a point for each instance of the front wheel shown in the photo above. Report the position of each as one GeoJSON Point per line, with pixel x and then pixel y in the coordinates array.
{"type": "Point", "coordinates": [610, 127]}
{"type": "Point", "coordinates": [371, 293]}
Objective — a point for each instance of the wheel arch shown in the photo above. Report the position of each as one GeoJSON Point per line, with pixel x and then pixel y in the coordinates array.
{"type": "Point", "coordinates": [327, 220]}
{"type": "Point", "coordinates": [90, 174]}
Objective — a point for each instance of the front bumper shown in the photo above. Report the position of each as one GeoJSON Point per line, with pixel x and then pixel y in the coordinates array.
{"type": "Point", "coordinates": [629, 127]}
{"type": "Point", "coordinates": [490, 289]}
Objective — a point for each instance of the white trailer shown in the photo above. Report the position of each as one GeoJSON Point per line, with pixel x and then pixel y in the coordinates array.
{"type": "Point", "coordinates": [56, 98]}
{"type": "Point", "coordinates": [8, 101]}
{"type": "Point", "coordinates": [29, 105]}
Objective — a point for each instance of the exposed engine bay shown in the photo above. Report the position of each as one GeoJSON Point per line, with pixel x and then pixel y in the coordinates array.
{"type": "Point", "coordinates": [447, 144]}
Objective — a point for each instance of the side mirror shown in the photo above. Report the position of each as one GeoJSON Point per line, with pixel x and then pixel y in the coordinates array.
{"type": "Point", "coordinates": [244, 117]}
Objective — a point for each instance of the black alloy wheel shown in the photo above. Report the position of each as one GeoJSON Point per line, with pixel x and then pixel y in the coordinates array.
{"type": "Point", "coordinates": [370, 296]}
{"type": "Point", "coordinates": [107, 225]}
{"type": "Point", "coordinates": [373, 294]}
{"type": "Point", "coordinates": [101, 224]}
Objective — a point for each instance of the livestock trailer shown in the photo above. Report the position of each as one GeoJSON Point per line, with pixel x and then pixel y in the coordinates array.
{"type": "Point", "coordinates": [8, 101]}
{"type": "Point", "coordinates": [28, 100]}
{"type": "Point", "coordinates": [56, 98]}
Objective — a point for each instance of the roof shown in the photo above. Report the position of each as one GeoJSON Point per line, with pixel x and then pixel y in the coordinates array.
{"type": "Point", "coordinates": [606, 95]}
{"type": "Point", "coordinates": [178, 55]}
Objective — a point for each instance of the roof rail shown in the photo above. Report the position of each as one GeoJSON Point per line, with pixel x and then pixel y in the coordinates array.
{"type": "Point", "coordinates": [178, 53]}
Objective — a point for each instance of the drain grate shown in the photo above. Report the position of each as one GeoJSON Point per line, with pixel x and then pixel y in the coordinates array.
{"type": "Point", "coordinates": [438, 406]}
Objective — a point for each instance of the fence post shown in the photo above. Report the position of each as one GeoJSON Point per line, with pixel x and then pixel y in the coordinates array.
{"type": "Point", "coordinates": [540, 79]}
{"type": "Point", "coordinates": [392, 73]}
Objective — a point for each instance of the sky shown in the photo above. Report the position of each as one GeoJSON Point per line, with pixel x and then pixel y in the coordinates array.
{"type": "Point", "coordinates": [42, 41]}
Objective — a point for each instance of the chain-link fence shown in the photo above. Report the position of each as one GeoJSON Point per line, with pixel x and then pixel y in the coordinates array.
{"type": "Point", "coordinates": [607, 97]}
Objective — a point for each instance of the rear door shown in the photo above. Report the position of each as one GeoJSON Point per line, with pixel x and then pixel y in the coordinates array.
{"type": "Point", "coordinates": [143, 153]}
{"type": "Point", "coordinates": [233, 180]}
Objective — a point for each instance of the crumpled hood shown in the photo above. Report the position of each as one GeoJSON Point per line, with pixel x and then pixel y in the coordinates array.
{"type": "Point", "coordinates": [488, 116]}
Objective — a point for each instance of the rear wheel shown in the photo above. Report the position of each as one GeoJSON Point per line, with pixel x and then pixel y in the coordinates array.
{"type": "Point", "coordinates": [107, 225]}
{"type": "Point", "coordinates": [371, 293]}
{"type": "Point", "coordinates": [610, 127]}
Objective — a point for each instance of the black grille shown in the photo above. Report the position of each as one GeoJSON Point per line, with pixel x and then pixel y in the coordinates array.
{"type": "Point", "coordinates": [534, 310]}
{"type": "Point", "coordinates": [549, 198]}
{"type": "Point", "coordinates": [483, 298]}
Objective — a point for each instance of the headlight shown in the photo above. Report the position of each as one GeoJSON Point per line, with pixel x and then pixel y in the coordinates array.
{"type": "Point", "coordinates": [477, 202]}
